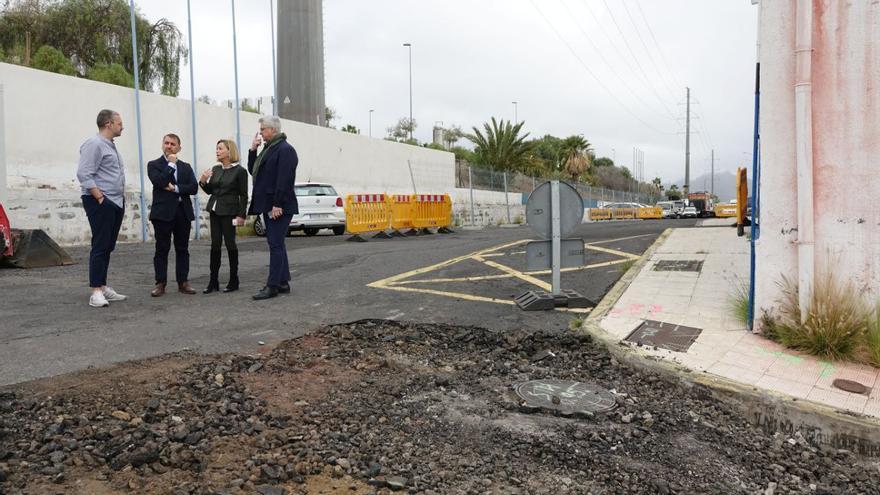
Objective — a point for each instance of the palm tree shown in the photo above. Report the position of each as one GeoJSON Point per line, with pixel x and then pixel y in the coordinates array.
{"type": "Point", "coordinates": [500, 145]}
{"type": "Point", "coordinates": [576, 156]}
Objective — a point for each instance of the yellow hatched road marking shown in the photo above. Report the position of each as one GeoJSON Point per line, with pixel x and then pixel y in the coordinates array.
{"type": "Point", "coordinates": [516, 273]}
{"type": "Point", "coordinates": [611, 251]}
{"type": "Point", "coordinates": [620, 239]}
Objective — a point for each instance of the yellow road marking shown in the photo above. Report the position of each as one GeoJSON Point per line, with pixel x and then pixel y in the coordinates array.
{"type": "Point", "coordinates": [506, 275]}
{"type": "Point", "coordinates": [620, 239]}
{"type": "Point", "coordinates": [611, 251]}
{"type": "Point", "coordinates": [516, 273]}
{"type": "Point", "coordinates": [458, 295]}
{"type": "Point", "coordinates": [390, 280]}
{"type": "Point", "coordinates": [493, 255]}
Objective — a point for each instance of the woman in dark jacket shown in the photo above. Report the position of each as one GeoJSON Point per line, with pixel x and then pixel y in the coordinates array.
{"type": "Point", "coordinates": [227, 183]}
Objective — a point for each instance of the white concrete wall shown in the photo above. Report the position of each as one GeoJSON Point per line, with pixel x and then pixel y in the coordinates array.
{"type": "Point", "coordinates": [846, 145]}
{"type": "Point", "coordinates": [490, 207]}
{"type": "Point", "coordinates": [48, 116]}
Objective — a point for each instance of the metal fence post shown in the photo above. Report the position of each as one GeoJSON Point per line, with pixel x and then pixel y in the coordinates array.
{"type": "Point", "coordinates": [471, 184]}
{"type": "Point", "coordinates": [506, 199]}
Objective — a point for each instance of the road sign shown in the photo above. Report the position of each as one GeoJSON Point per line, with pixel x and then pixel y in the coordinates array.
{"type": "Point", "coordinates": [539, 254]}
{"type": "Point", "coordinates": [538, 210]}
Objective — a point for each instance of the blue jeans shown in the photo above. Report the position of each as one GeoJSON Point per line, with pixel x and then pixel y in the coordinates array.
{"type": "Point", "coordinates": [276, 232]}
{"type": "Point", "coordinates": [105, 219]}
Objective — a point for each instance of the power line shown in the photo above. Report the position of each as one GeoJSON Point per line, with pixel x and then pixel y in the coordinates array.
{"type": "Point", "coordinates": [589, 71]}
{"type": "Point", "coordinates": [669, 115]}
{"type": "Point", "coordinates": [675, 81]}
{"type": "Point", "coordinates": [626, 43]}
{"type": "Point", "coordinates": [632, 68]}
{"type": "Point", "coordinates": [642, 41]}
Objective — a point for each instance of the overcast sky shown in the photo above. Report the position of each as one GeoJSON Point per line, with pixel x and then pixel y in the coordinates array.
{"type": "Point", "coordinates": [612, 70]}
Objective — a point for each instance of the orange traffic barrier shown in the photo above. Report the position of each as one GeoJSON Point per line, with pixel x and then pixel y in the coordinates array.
{"type": "Point", "coordinates": [366, 213]}
{"type": "Point", "coordinates": [403, 211]}
{"type": "Point", "coordinates": [600, 214]}
{"type": "Point", "coordinates": [432, 210]}
{"type": "Point", "coordinates": [618, 213]}
{"type": "Point", "coordinates": [725, 210]}
{"type": "Point", "coordinates": [652, 212]}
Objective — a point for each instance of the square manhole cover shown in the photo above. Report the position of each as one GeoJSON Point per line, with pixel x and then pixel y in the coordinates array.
{"type": "Point", "coordinates": [678, 266]}
{"type": "Point", "coordinates": [664, 335]}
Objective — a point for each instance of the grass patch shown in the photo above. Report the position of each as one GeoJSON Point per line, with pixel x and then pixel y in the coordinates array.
{"type": "Point", "coordinates": [625, 266]}
{"type": "Point", "coordinates": [836, 323]}
{"type": "Point", "coordinates": [739, 302]}
{"type": "Point", "coordinates": [576, 323]}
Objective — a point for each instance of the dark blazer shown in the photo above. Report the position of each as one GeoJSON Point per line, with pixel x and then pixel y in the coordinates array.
{"type": "Point", "coordinates": [273, 184]}
{"type": "Point", "coordinates": [229, 191]}
{"type": "Point", "coordinates": [165, 202]}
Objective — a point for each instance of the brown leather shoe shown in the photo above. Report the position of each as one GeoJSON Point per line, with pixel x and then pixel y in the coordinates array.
{"type": "Point", "coordinates": [185, 288]}
{"type": "Point", "coordinates": [159, 291]}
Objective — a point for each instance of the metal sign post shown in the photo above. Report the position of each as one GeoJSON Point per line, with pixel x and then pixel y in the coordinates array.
{"type": "Point", "coordinates": [554, 210]}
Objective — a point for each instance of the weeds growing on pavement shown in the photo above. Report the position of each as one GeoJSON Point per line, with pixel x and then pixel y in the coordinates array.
{"type": "Point", "coordinates": [576, 323]}
{"type": "Point", "coordinates": [739, 301]}
{"type": "Point", "coordinates": [836, 322]}
{"type": "Point", "coordinates": [625, 266]}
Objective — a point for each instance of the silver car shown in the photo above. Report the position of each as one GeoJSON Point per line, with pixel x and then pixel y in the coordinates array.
{"type": "Point", "coordinates": [320, 207]}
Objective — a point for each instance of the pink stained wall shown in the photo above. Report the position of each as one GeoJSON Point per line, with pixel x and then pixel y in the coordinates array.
{"type": "Point", "coordinates": [846, 145]}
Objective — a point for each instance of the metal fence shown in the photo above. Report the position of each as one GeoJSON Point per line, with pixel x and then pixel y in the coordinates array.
{"type": "Point", "coordinates": [470, 176]}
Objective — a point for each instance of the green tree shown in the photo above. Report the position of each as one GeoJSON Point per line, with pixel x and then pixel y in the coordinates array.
{"type": "Point", "coordinates": [95, 33]}
{"type": "Point", "coordinates": [401, 131]}
{"type": "Point", "coordinates": [206, 99]}
{"type": "Point", "coordinates": [329, 116]}
{"type": "Point", "coordinates": [603, 162]}
{"type": "Point", "coordinates": [452, 136]}
{"type": "Point", "coordinates": [673, 193]}
{"type": "Point", "coordinates": [463, 154]}
{"type": "Point", "coordinates": [499, 145]}
{"type": "Point", "coordinates": [52, 60]}
{"type": "Point", "coordinates": [111, 74]}
{"type": "Point", "coordinates": [351, 129]}
{"type": "Point", "coordinates": [576, 152]}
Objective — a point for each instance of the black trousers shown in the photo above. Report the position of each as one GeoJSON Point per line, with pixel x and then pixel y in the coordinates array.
{"type": "Point", "coordinates": [222, 231]}
{"type": "Point", "coordinates": [276, 232]}
{"type": "Point", "coordinates": [179, 229]}
{"type": "Point", "coordinates": [105, 219]}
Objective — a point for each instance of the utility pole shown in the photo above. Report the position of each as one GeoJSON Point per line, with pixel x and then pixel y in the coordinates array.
{"type": "Point", "coordinates": [687, 146]}
{"type": "Point", "coordinates": [713, 173]}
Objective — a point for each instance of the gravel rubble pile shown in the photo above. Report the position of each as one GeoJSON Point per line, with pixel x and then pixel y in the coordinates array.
{"type": "Point", "coordinates": [380, 406]}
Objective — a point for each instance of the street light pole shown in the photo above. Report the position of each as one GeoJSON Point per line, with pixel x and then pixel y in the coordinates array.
{"type": "Point", "coordinates": [371, 122]}
{"type": "Point", "coordinates": [409, 45]}
{"type": "Point", "coordinates": [515, 113]}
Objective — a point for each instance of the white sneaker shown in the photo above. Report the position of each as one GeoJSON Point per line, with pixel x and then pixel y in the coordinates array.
{"type": "Point", "coordinates": [98, 300]}
{"type": "Point", "coordinates": [112, 295]}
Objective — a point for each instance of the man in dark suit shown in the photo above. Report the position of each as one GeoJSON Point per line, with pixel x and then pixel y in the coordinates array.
{"type": "Point", "coordinates": [274, 173]}
{"type": "Point", "coordinates": [172, 213]}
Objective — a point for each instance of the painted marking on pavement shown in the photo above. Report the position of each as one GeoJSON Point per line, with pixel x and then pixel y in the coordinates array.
{"type": "Point", "coordinates": [516, 273]}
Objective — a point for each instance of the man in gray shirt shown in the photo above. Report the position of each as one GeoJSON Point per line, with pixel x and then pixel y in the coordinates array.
{"type": "Point", "coordinates": [102, 178]}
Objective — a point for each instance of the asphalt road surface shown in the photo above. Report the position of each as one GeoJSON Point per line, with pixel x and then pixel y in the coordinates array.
{"type": "Point", "coordinates": [465, 278]}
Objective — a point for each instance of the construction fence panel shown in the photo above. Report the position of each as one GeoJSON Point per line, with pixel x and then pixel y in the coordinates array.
{"type": "Point", "coordinates": [366, 213]}
{"type": "Point", "coordinates": [600, 214]}
{"type": "Point", "coordinates": [725, 211]}
{"type": "Point", "coordinates": [403, 211]}
{"type": "Point", "coordinates": [653, 212]}
{"type": "Point", "coordinates": [432, 211]}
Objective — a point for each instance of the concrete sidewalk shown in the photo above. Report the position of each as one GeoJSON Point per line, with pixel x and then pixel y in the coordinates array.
{"type": "Point", "coordinates": [725, 347]}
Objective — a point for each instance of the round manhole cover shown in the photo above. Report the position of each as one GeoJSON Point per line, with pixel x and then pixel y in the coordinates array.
{"type": "Point", "coordinates": [565, 396]}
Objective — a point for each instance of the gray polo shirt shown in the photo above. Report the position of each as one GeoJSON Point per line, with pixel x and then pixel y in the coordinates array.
{"type": "Point", "coordinates": [101, 166]}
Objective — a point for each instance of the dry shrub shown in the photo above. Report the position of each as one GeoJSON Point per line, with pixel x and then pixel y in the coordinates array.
{"type": "Point", "coordinates": [739, 301]}
{"type": "Point", "coordinates": [836, 323]}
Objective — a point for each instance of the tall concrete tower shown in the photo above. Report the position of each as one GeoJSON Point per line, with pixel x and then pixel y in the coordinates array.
{"type": "Point", "coordinates": [301, 61]}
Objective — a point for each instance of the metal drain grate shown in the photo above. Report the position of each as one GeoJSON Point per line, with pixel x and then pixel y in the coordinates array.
{"type": "Point", "coordinates": [565, 397]}
{"type": "Point", "coordinates": [664, 335]}
{"type": "Point", "coordinates": [678, 266]}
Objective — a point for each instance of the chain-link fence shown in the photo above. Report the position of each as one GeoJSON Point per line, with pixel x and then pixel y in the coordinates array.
{"type": "Point", "coordinates": [467, 176]}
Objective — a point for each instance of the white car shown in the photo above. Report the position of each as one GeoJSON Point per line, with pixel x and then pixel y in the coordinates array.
{"type": "Point", "coordinates": [689, 212]}
{"type": "Point", "coordinates": [320, 207]}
